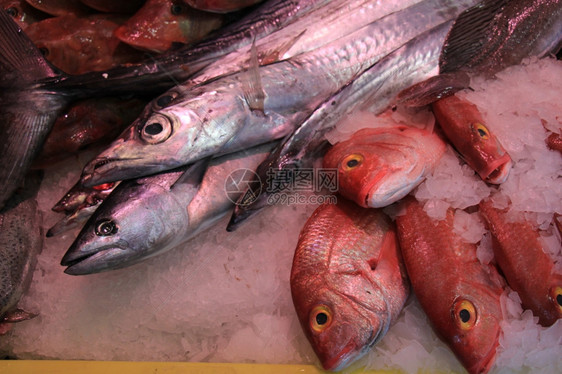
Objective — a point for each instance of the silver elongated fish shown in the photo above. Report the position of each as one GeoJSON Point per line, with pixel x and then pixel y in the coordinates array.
{"type": "Point", "coordinates": [32, 93]}
{"type": "Point", "coordinates": [147, 216]}
{"type": "Point", "coordinates": [188, 123]}
{"type": "Point", "coordinates": [414, 62]}
{"type": "Point", "coordinates": [21, 241]}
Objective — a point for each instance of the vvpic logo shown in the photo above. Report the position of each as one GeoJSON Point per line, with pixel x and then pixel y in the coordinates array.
{"type": "Point", "coordinates": [245, 183]}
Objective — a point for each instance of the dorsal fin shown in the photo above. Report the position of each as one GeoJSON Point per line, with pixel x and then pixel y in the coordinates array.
{"type": "Point", "coordinates": [469, 33]}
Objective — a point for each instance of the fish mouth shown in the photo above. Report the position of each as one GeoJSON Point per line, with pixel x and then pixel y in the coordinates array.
{"type": "Point", "coordinates": [80, 263]}
{"type": "Point", "coordinates": [352, 352]}
{"type": "Point", "coordinates": [498, 171]}
{"type": "Point", "coordinates": [104, 170]}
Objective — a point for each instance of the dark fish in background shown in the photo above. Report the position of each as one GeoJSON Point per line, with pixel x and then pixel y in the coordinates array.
{"type": "Point", "coordinates": [220, 6]}
{"type": "Point", "coordinates": [33, 94]}
{"type": "Point", "coordinates": [460, 296]}
{"type": "Point", "coordinates": [524, 263]}
{"type": "Point", "coordinates": [348, 281]}
{"type": "Point", "coordinates": [488, 38]}
{"type": "Point", "coordinates": [23, 13]}
{"type": "Point", "coordinates": [21, 241]}
{"type": "Point", "coordinates": [161, 23]}
{"type": "Point", "coordinates": [463, 125]}
{"type": "Point", "coordinates": [60, 7]}
{"type": "Point", "coordinates": [82, 44]}
{"type": "Point", "coordinates": [112, 6]}
{"type": "Point", "coordinates": [86, 123]}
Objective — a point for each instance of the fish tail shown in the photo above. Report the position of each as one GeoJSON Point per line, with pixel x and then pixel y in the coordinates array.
{"type": "Point", "coordinates": [28, 106]}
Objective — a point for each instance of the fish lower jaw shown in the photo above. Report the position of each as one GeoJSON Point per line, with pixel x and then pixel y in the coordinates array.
{"type": "Point", "coordinates": [95, 171]}
{"type": "Point", "coordinates": [499, 173]}
{"type": "Point", "coordinates": [80, 264]}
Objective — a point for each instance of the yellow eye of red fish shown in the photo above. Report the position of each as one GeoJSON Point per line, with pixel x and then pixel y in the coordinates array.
{"type": "Point", "coordinates": [464, 314]}
{"type": "Point", "coordinates": [481, 130]}
{"type": "Point", "coordinates": [320, 318]}
{"type": "Point", "coordinates": [352, 161]}
{"type": "Point", "coordinates": [556, 297]}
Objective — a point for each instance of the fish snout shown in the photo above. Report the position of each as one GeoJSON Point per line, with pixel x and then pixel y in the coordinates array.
{"type": "Point", "coordinates": [498, 170]}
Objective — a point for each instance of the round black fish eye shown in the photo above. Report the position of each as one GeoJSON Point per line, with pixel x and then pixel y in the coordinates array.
{"type": "Point", "coordinates": [559, 299]}
{"type": "Point", "coordinates": [153, 128]}
{"type": "Point", "coordinates": [106, 228]}
{"type": "Point", "coordinates": [44, 51]}
{"type": "Point", "coordinates": [163, 101]}
{"type": "Point", "coordinates": [12, 11]}
{"type": "Point", "coordinates": [464, 315]}
{"type": "Point", "coordinates": [176, 9]}
{"type": "Point", "coordinates": [321, 318]}
{"type": "Point", "coordinates": [352, 163]}
{"type": "Point", "coordinates": [156, 129]}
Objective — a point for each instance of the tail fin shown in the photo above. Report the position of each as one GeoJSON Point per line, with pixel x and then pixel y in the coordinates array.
{"type": "Point", "coordinates": [27, 109]}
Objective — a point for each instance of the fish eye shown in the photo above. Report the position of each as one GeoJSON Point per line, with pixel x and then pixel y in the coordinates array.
{"type": "Point", "coordinates": [156, 129]}
{"type": "Point", "coordinates": [464, 314]}
{"type": "Point", "coordinates": [106, 228]}
{"type": "Point", "coordinates": [44, 51]}
{"type": "Point", "coordinates": [12, 11]}
{"type": "Point", "coordinates": [165, 100]}
{"type": "Point", "coordinates": [556, 297]}
{"type": "Point", "coordinates": [482, 131]}
{"type": "Point", "coordinates": [352, 161]}
{"type": "Point", "coordinates": [176, 9]}
{"type": "Point", "coordinates": [320, 318]}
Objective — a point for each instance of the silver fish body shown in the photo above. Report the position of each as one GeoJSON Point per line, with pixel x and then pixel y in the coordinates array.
{"type": "Point", "coordinates": [188, 123]}
{"type": "Point", "coordinates": [144, 217]}
{"type": "Point", "coordinates": [33, 94]}
{"type": "Point", "coordinates": [414, 62]}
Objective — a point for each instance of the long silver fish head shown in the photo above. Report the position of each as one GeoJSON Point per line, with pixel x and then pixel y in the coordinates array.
{"type": "Point", "coordinates": [127, 227]}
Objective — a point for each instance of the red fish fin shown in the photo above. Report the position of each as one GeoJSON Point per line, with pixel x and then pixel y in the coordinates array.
{"type": "Point", "coordinates": [433, 89]}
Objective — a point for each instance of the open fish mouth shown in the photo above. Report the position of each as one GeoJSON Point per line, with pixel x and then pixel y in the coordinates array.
{"type": "Point", "coordinates": [100, 170]}
{"type": "Point", "coordinates": [499, 170]}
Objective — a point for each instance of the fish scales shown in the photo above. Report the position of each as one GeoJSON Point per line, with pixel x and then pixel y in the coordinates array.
{"type": "Point", "coordinates": [527, 268]}
{"type": "Point", "coordinates": [347, 281]}
{"type": "Point", "coordinates": [460, 296]}
{"type": "Point", "coordinates": [210, 118]}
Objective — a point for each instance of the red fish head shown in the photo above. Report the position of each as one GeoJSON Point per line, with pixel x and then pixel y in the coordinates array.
{"type": "Point", "coordinates": [473, 331]}
{"type": "Point", "coordinates": [462, 123]}
{"type": "Point", "coordinates": [378, 166]}
{"type": "Point", "coordinates": [160, 23]}
{"type": "Point", "coordinates": [343, 313]}
{"type": "Point", "coordinates": [358, 170]}
{"type": "Point", "coordinates": [491, 160]}
{"type": "Point", "coordinates": [338, 331]}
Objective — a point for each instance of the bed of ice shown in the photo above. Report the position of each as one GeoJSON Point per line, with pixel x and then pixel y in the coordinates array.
{"type": "Point", "coordinates": [225, 297]}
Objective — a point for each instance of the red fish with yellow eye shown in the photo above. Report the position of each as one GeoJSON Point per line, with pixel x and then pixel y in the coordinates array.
{"type": "Point", "coordinates": [379, 166]}
{"type": "Point", "coordinates": [460, 296]}
{"type": "Point", "coordinates": [463, 125]}
{"type": "Point", "coordinates": [161, 23]}
{"type": "Point", "coordinates": [527, 268]}
{"type": "Point", "coordinates": [348, 281]}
